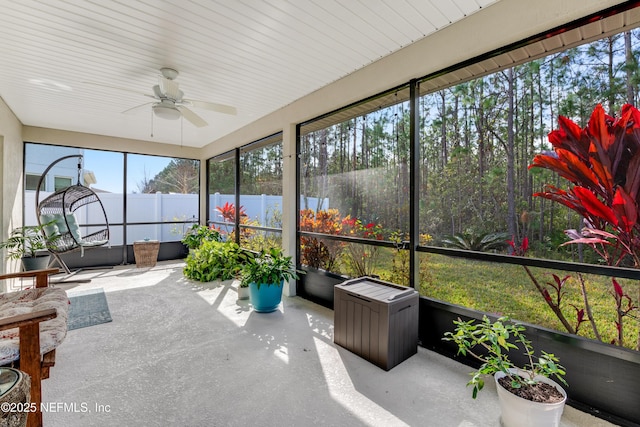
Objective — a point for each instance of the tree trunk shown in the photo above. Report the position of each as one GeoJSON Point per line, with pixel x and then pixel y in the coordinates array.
{"type": "Point", "coordinates": [443, 131]}
{"type": "Point", "coordinates": [511, 202]}
{"type": "Point", "coordinates": [610, 74]}
{"type": "Point", "coordinates": [630, 63]}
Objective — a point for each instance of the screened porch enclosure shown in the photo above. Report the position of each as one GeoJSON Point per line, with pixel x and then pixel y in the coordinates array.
{"type": "Point", "coordinates": [426, 185]}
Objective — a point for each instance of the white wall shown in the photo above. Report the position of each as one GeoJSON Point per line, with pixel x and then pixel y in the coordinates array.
{"type": "Point", "coordinates": [11, 179]}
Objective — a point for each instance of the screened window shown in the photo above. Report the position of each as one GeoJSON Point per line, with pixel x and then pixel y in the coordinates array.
{"type": "Point", "coordinates": [161, 192]}
{"type": "Point", "coordinates": [354, 183]}
{"type": "Point", "coordinates": [484, 240]}
{"type": "Point", "coordinates": [162, 197]}
{"type": "Point", "coordinates": [222, 193]}
{"type": "Point", "coordinates": [477, 139]}
{"type": "Point", "coordinates": [261, 194]}
{"type": "Point", "coordinates": [245, 193]}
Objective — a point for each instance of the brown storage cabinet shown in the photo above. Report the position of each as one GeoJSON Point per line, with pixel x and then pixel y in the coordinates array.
{"type": "Point", "coordinates": [376, 320]}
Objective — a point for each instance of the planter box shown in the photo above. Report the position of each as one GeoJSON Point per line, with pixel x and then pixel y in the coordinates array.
{"type": "Point", "coordinates": [602, 378]}
{"type": "Point", "coordinates": [317, 285]}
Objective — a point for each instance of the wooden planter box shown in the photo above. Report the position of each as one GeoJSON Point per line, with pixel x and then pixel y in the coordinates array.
{"type": "Point", "coordinates": [602, 378]}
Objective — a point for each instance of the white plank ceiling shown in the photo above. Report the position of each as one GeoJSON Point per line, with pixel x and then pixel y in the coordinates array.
{"type": "Point", "coordinates": [77, 65]}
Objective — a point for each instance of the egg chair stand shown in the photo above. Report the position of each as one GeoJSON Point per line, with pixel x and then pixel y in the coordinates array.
{"type": "Point", "coordinates": [57, 216]}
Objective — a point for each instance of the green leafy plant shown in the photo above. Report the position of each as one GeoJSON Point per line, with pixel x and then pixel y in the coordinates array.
{"type": "Point", "coordinates": [481, 242]}
{"type": "Point", "coordinates": [269, 267]}
{"type": "Point", "coordinates": [361, 259]}
{"type": "Point", "coordinates": [400, 261]}
{"type": "Point", "coordinates": [490, 343]}
{"type": "Point", "coordinates": [26, 241]}
{"type": "Point", "coordinates": [215, 261]}
{"type": "Point", "coordinates": [197, 234]}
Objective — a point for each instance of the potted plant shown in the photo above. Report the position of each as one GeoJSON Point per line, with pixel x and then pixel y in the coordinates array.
{"type": "Point", "coordinates": [243, 290]}
{"type": "Point", "coordinates": [197, 234]}
{"type": "Point", "coordinates": [25, 242]}
{"type": "Point", "coordinates": [214, 260]}
{"type": "Point", "coordinates": [264, 274]}
{"type": "Point", "coordinates": [527, 395]}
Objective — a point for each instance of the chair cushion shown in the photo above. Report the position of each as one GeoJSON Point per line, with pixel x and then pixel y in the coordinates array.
{"type": "Point", "coordinates": [88, 244]}
{"type": "Point", "coordinates": [50, 224]}
{"type": "Point", "coordinates": [52, 332]}
{"type": "Point", "coordinates": [74, 228]}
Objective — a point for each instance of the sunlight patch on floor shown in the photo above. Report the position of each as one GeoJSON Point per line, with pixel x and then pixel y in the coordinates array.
{"type": "Point", "coordinates": [223, 296]}
{"type": "Point", "coordinates": [282, 353]}
{"type": "Point", "coordinates": [343, 391]}
{"type": "Point", "coordinates": [118, 278]}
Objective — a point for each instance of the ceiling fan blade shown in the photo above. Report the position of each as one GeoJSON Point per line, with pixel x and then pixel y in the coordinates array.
{"type": "Point", "coordinates": [119, 88]}
{"type": "Point", "coordinates": [219, 108]}
{"type": "Point", "coordinates": [170, 89]}
{"type": "Point", "coordinates": [192, 117]}
{"type": "Point", "coordinates": [136, 108]}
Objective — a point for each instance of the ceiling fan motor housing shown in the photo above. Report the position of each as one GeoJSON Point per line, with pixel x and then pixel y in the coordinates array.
{"type": "Point", "coordinates": [166, 110]}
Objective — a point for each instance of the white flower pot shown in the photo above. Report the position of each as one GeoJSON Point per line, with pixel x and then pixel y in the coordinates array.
{"type": "Point", "coordinates": [519, 412]}
{"type": "Point", "coordinates": [243, 293]}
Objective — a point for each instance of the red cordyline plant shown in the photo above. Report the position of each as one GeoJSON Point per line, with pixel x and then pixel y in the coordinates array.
{"type": "Point", "coordinates": [602, 162]}
{"type": "Point", "coordinates": [228, 214]}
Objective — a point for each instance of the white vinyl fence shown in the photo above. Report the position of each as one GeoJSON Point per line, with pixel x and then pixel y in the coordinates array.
{"type": "Point", "coordinates": [159, 207]}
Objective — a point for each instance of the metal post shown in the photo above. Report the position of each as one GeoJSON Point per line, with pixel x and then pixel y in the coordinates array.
{"type": "Point", "coordinates": [125, 255]}
{"type": "Point", "coordinates": [414, 185]}
{"type": "Point", "coordinates": [237, 191]}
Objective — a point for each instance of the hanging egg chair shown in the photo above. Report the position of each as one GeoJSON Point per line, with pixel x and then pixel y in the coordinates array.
{"type": "Point", "coordinates": [57, 215]}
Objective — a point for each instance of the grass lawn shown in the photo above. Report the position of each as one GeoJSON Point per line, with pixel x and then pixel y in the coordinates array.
{"type": "Point", "coordinates": [507, 290]}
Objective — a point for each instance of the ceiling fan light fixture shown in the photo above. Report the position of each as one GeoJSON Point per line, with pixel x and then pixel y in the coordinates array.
{"type": "Point", "coordinates": [166, 112]}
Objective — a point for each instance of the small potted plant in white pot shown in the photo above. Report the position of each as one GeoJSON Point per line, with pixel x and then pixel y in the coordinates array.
{"type": "Point", "coordinates": [527, 395]}
{"type": "Point", "coordinates": [243, 290]}
{"type": "Point", "coordinates": [265, 274]}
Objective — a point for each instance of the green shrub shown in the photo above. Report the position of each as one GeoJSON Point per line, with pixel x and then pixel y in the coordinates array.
{"type": "Point", "coordinates": [197, 234]}
{"type": "Point", "coordinates": [481, 242]}
{"type": "Point", "coordinates": [214, 261]}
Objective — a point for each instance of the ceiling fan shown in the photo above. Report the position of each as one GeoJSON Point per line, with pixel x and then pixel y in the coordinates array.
{"type": "Point", "coordinates": [169, 102]}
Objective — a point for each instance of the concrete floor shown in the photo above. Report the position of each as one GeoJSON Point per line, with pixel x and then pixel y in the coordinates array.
{"type": "Point", "coordinates": [183, 353]}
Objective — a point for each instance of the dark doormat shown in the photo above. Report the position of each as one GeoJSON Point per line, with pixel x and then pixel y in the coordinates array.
{"type": "Point", "coordinates": [88, 308]}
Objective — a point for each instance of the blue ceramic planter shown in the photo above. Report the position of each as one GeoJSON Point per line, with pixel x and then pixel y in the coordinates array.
{"type": "Point", "coordinates": [267, 298]}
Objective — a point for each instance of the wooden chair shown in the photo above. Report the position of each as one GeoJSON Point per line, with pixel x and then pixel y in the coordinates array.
{"type": "Point", "coordinates": [37, 305]}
